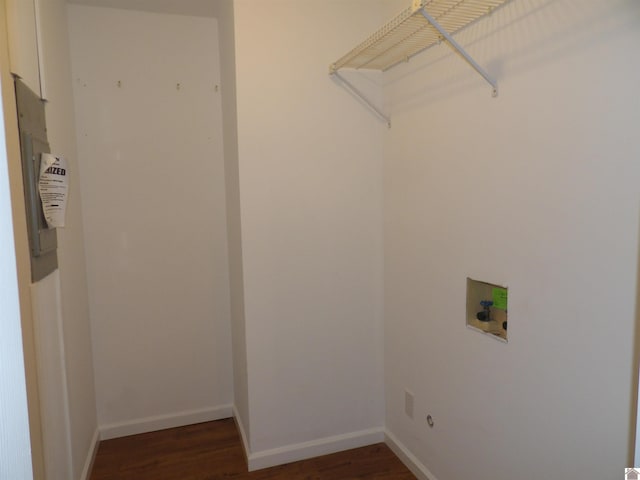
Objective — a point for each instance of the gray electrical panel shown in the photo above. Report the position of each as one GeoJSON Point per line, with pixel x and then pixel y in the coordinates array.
{"type": "Point", "coordinates": [33, 143]}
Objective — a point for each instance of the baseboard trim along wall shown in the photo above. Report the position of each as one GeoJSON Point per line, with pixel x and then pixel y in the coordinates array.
{"type": "Point", "coordinates": [91, 456]}
{"type": "Point", "coordinates": [408, 458]}
{"type": "Point", "coordinates": [314, 448]}
{"type": "Point", "coordinates": [161, 422]}
{"type": "Point", "coordinates": [243, 434]}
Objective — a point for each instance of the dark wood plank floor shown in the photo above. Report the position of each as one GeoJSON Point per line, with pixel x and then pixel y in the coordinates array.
{"type": "Point", "coordinates": [212, 451]}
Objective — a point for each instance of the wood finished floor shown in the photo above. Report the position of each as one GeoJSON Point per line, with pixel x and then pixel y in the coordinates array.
{"type": "Point", "coordinates": [212, 451]}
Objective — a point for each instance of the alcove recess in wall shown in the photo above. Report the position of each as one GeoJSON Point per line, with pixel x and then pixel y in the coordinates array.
{"type": "Point", "coordinates": [487, 308]}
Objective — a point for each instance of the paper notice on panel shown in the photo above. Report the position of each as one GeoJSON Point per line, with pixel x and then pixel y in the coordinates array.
{"type": "Point", "coordinates": [54, 188]}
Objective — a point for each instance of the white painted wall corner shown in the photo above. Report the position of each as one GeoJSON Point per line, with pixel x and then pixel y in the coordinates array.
{"type": "Point", "coordinates": [91, 456]}
{"type": "Point", "coordinates": [243, 434]}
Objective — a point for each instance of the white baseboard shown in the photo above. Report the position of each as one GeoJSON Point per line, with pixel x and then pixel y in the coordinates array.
{"type": "Point", "coordinates": [314, 448]}
{"type": "Point", "coordinates": [161, 422]}
{"type": "Point", "coordinates": [243, 434]}
{"type": "Point", "coordinates": [91, 456]}
{"type": "Point", "coordinates": [408, 458]}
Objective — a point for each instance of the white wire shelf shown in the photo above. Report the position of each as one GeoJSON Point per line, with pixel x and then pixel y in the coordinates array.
{"type": "Point", "coordinates": [410, 32]}
{"type": "Point", "coordinates": [424, 24]}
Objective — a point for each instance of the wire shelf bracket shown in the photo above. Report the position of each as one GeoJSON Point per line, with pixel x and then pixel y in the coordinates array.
{"type": "Point", "coordinates": [424, 24]}
{"type": "Point", "coordinates": [351, 88]}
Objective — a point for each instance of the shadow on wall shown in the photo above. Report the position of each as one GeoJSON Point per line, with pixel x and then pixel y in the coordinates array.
{"type": "Point", "coordinates": [500, 43]}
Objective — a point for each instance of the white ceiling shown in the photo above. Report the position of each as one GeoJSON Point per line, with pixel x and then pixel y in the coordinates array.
{"type": "Point", "coordinates": [200, 8]}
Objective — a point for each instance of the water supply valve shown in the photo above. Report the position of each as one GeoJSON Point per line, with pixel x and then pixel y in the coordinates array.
{"type": "Point", "coordinates": [485, 314]}
{"type": "Point", "coordinates": [487, 308]}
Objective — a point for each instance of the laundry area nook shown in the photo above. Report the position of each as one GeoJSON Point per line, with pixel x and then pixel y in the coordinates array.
{"type": "Point", "coordinates": [487, 308]}
{"type": "Point", "coordinates": [256, 239]}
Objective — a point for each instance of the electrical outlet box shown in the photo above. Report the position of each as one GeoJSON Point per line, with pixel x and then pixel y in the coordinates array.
{"type": "Point", "coordinates": [487, 308]}
{"type": "Point", "coordinates": [408, 403]}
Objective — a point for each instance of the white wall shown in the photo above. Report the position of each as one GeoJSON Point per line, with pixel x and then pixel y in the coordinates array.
{"type": "Point", "coordinates": [52, 379]}
{"type": "Point", "coordinates": [15, 446]}
{"type": "Point", "coordinates": [538, 190]}
{"type": "Point", "coordinates": [23, 42]}
{"type": "Point", "coordinates": [310, 197]}
{"type": "Point", "coordinates": [15, 439]}
{"type": "Point", "coordinates": [198, 8]}
{"type": "Point", "coordinates": [225, 16]}
{"type": "Point", "coordinates": [61, 321]}
{"type": "Point", "coordinates": [75, 350]}
{"type": "Point", "coordinates": [21, 241]}
{"type": "Point", "coordinates": [153, 190]}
